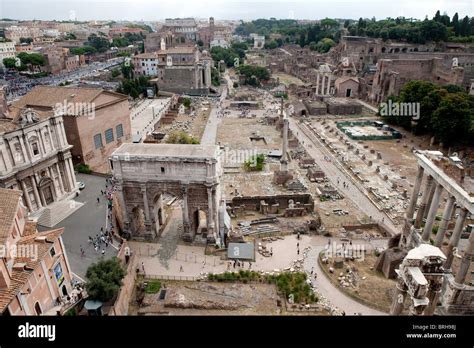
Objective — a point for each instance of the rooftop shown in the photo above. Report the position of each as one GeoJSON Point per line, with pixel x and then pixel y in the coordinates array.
{"type": "Point", "coordinates": [9, 201]}
{"type": "Point", "coordinates": [20, 276]}
{"type": "Point", "coordinates": [166, 150]}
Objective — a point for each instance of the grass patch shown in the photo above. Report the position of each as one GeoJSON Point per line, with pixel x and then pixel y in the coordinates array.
{"type": "Point", "coordinates": [152, 287]}
{"type": "Point", "coordinates": [288, 284]}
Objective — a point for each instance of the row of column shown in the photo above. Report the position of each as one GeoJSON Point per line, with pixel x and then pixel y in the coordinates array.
{"type": "Point", "coordinates": [431, 195]}
{"type": "Point", "coordinates": [325, 89]}
{"type": "Point", "coordinates": [52, 172]}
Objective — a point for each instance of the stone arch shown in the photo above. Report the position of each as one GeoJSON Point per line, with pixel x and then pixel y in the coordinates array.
{"type": "Point", "coordinates": [200, 222]}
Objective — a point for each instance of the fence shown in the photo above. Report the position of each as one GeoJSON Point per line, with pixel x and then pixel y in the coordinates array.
{"type": "Point", "coordinates": [170, 277]}
{"type": "Point", "coordinates": [153, 251]}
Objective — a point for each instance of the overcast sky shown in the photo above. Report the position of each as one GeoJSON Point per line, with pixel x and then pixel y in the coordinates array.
{"type": "Point", "coordinates": [149, 10]}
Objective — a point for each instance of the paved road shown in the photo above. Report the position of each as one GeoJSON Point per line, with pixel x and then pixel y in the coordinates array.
{"type": "Point", "coordinates": [210, 132]}
{"type": "Point", "coordinates": [85, 222]}
{"type": "Point", "coordinates": [333, 172]}
{"type": "Point", "coordinates": [332, 293]}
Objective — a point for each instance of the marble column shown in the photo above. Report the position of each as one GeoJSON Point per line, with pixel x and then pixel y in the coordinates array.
{"type": "Point", "coordinates": [35, 192]}
{"type": "Point", "coordinates": [415, 193]}
{"type": "Point", "coordinates": [466, 260]}
{"type": "Point", "coordinates": [25, 150]}
{"type": "Point", "coordinates": [453, 242]}
{"type": "Point", "coordinates": [121, 197]}
{"type": "Point", "coordinates": [26, 195]}
{"type": "Point", "coordinates": [210, 216]}
{"type": "Point", "coordinates": [73, 174]}
{"type": "Point", "coordinates": [69, 176]}
{"type": "Point", "coordinates": [13, 152]}
{"type": "Point", "coordinates": [424, 202]}
{"type": "Point", "coordinates": [185, 210]}
{"type": "Point", "coordinates": [329, 85]}
{"type": "Point", "coordinates": [324, 78]}
{"type": "Point", "coordinates": [432, 213]}
{"type": "Point", "coordinates": [51, 175]}
{"type": "Point", "coordinates": [448, 211]}
{"type": "Point", "coordinates": [399, 298]}
{"type": "Point", "coordinates": [433, 296]}
{"type": "Point", "coordinates": [50, 139]}
{"type": "Point", "coordinates": [61, 184]}
{"type": "Point", "coordinates": [432, 191]}
{"type": "Point", "coordinates": [145, 202]}
{"type": "Point", "coordinates": [317, 84]}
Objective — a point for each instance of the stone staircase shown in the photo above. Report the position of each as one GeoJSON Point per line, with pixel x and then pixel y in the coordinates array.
{"type": "Point", "coordinates": [56, 212]}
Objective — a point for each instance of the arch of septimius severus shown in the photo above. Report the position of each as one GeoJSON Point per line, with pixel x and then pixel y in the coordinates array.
{"type": "Point", "coordinates": [144, 173]}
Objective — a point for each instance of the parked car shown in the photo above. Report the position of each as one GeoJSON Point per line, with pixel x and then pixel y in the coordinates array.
{"type": "Point", "coordinates": [81, 185]}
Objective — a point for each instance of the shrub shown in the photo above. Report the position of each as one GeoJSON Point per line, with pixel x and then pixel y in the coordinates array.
{"type": "Point", "coordinates": [83, 168]}
{"type": "Point", "coordinates": [180, 137]}
{"type": "Point", "coordinates": [255, 163]}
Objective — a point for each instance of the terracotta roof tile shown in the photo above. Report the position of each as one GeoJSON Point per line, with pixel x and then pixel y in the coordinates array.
{"type": "Point", "coordinates": [20, 277]}
{"type": "Point", "coordinates": [9, 201]}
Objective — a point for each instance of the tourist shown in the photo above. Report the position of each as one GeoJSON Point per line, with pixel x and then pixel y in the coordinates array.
{"type": "Point", "coordinates": [98, 200]}
{"type": "Point", "coordinates": [181, 268]}
{"type": "Point", "coordinates": [103, 251]}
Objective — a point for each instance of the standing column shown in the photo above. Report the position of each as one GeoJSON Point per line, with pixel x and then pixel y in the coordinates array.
{"type": "Point", "coordinates": [61, 184]}
{"type": "Point", "coordinates": [453, 242]}
{"type": "Point", "coordinates": [26, 195]}
{"type": "Point", "coordinates": [415, 193]}
{"type": "Point", "coordinates": [35, 192]}
{"type": "Point", "coordinates": [50, 138]}
{"type": "Point", "coordinates": [448, 211]}
{"type": "Point", "coordinates": [424, 202]}
{"type": "Point", "coordinates": [73, 174]}
{"type": "Point", "coordinates": [425, 214]}
{"type": "Point", "coordinates": [185, 210]}
{"type": "Point", "coordinates": [284, 162]}
{"type": "Point", "coordinates": [145, 202]}
{"type": "Point", "coordinates": [69, 176]}
{"type": "Point", "coordinates": [432, 213]}
{"type": "Point", "coordinates": [399, 298]}
{"type": "Point", "coordinates": [317, 84]}
{"type": "Point", "coordinates": [466, 261]}
{"type": "Point", "coordinates": [25, 150]}
{"type": "Point", "coordinates": [210, 214]}
{"type": "Point", "coordinates": [329, 85]}
{"type": "Point", "coordinates": [50, 171]}
{"type": "Point", "coordinates": [121, 197]}
{"type": "Point", "coordinates": [433, 296]}
{"type": "Point", "coordinates": [324, 77]}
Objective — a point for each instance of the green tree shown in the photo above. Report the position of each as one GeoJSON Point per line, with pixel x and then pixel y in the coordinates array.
{"type": "Point", "coordinates": [453, 119]}
{"type": "Point", "coordinates": [9, 63]}
{"type": "Point", "coordinates": [26, 40]}
{"type": "Point", "coordinates": [104, 279]}
{"type": "Point", "coordinates": [101, 44]}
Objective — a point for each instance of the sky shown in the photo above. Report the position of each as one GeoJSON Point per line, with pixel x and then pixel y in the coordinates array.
{"type": "Point", "coordinates": [150, 10]}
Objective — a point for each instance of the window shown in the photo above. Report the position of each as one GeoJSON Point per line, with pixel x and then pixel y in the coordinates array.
{"type": "Point", "coordinates": [34, 146]}
{"type": "Point", "coordinates": [109, 135]}
{"type": "Point", "coordinates": [119, 131]}
{"type": "Point", "coordinates": [162, 169]}
{"type": "Point", "coordinates": [98, 141]}
{"type": "Point", "coordinates": [52, 252]}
